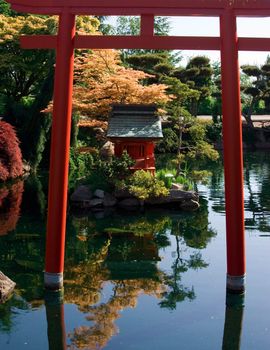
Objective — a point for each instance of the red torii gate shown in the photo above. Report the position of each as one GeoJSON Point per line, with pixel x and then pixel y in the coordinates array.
{"type": "Point", "coordinates": [65, 43]}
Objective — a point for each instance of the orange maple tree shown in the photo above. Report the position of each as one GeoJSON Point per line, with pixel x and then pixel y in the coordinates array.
{"type": "Point", "coordinates": [100, 81]}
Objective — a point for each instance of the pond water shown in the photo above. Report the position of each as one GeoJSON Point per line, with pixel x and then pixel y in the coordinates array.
{"type": "Point", "coordinates": [138, 280]}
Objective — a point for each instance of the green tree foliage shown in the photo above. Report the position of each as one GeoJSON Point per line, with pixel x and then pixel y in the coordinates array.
{"type": "Point", "coordinates": [216, 104]}
{"type": "Point", "coordinates": [169, 143]}
{"type": "Point", "coordinates": [106, 174]}
{"type": "Point", "coordinates": [197, 75]}
{"type": "Point", "coordinates": [255, 89]}
{"type": "Point", "coordinates": [158, 64]}
{"type": "Point", "coordinates": [26, 79]}
{"type": "Point", "coordinates": [5, 9]}
{"type": "Point", "coordinates": [130, 25]}
{"type": "Point", "coordinates": [144, 185]}
{"type": "Point", "coordinates": [105, 28]}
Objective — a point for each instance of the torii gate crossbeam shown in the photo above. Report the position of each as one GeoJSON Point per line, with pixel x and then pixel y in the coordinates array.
{"type": "Point", "coordinates": [65, 42]}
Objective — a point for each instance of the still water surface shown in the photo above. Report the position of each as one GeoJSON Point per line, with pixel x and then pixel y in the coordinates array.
{"type": "Point", "coordinates": [139, 280]}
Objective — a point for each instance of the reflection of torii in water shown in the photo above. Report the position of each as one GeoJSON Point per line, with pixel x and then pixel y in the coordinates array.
{"type": "Point", "coordinates": [65, 43]}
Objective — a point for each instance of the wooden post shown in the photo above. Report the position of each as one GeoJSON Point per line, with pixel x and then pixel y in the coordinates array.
{"type": "Point", "coordinates": [59, 161]}
{"type": "Point", "coordinates": [233, 157]}
{"type": "Point", "coordinates": [233, 321]}
{"type": "Point", "coordinates": [56, 329]}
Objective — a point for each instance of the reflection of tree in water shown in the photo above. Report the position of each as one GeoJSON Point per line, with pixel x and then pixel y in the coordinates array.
{"type": "Point", "coordinates": [257, 193]}
{"type": "Point", "coordinates": [190, 231]}
{"type": "Point", "coordinates": [84, 283]}
{"type": "Point", "coordinates": [122, 249]}
{"type": "Point", "coordinates": [7, 316]}
{"type": "Point", "coordinates": [129, 261]}
{"type": "Point", "coordinates": [10, 204]}
{"type": "Point", "coordinates": [21, 246]}
{"type": "Point", "coordinates": [104, 315]}
{"type": "Point", "coordinates": [257, 190]}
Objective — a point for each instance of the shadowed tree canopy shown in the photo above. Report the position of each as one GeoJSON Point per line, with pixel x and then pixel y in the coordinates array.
{"type": "Point", "coordinates": [26, 79]}
{"type": "Point", "coordinates": [256, 89]}
{"type": "Point", "coordinates": [198, 75]}
{"type": "Point", "coordinates": [5, 9]}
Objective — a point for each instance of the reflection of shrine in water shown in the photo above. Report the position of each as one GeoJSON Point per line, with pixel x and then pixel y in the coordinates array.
{"type": "Point", "coordinates": [127, 257]}
{"type": "Point", "coordinates": [120, 251]}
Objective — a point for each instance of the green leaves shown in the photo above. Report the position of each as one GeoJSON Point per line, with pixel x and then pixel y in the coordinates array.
{"type": "Point", "coordinates": [144, 185]}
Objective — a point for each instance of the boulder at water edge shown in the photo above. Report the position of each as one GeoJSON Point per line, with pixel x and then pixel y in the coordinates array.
{"type": "Point", "coordinates": [6, 287]}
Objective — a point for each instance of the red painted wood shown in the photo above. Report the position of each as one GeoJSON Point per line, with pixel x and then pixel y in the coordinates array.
{"type": "Point", "coordinates": [147, 25]}
{"type": "Point", "coordinates": [139, 150]}
{"type": "Point", "coordinates": [59, 156]}
{"type": "Point", "coordinates": [200, 4]}
{"type": "Point", "coordinates": [120, 42]}
{"type": "Point", "coordinates": [232, 140]}
{"type": "Point", "coordinates": [38, 41]}
{"type": "Point", "coordinates": [128, 42]}
{"type": "Point", "coordinates": [254, 44]}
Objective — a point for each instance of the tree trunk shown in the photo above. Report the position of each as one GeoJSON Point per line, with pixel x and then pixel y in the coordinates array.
{"type": "Point", "coordinates": [247, 115]}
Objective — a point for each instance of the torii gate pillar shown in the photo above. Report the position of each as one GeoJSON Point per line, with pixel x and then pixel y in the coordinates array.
{"type": "Point", "coordinates": [233, 157]}
{"type": "Point", "coordinates": [228, 43]}
{"type": "Point", "coordinates": [59, 158]}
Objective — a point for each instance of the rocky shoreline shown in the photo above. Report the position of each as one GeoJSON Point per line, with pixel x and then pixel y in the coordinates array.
{"type": "Point", "coordinates": [83, 197]}
{"type": "Point", "coordinates": [6, 287]}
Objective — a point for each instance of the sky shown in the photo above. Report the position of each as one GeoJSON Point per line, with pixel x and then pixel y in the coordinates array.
{"type": "Point", "coordinates": [209, 26]}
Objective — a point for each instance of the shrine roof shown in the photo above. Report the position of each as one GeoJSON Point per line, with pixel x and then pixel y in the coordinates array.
{"type": "Point", "coordinates": [134, 121]}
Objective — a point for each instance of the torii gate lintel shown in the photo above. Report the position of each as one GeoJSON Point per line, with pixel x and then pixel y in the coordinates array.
{"type": "Point", "coordinates": [66, 41]}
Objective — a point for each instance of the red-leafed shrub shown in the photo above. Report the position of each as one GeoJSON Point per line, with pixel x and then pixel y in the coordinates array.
{"type": "Point", "coordinates": [10, 205]}
{"type": "Point", "coordinates": [11, 165]}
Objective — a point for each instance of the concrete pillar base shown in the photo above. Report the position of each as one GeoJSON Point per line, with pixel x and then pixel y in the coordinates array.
{"type": "Point", "coordinates": [236, 284]}
{"type": "Point", "coordinates": [53, 281]}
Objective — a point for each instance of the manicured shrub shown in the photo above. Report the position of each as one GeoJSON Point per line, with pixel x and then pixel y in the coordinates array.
{"type": "Point", "coordinates": [11, 165]}
{"type": "Point", "coordinates": [143, 185]}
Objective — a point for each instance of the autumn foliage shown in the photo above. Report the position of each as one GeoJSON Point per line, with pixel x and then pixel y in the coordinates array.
{"type": "Point", "coordinates": [100, 81]}
{"type": "Point", "coordinates": [10, 204]}
{"type": "Point", "coordinates": [11, 165]}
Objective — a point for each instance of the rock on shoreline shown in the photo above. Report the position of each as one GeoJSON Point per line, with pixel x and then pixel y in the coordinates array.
{"type": "Point", "coordinates": [84, 198]}
{"type": "Point", "coordinates": [6, 287]}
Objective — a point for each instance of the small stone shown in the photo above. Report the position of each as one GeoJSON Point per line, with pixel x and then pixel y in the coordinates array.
{"type": "Point", "coordinates": [186, 200]}
{"type": "Point", "coordinates": [26, 168]}
{"type": "Point", "coordinates": [99, 215]}
{"type": "Point", "coordinates": [109, 200]}
{"type": "Point", "coordinates": [81, 194]}
{"type": "Point", "coordinates": [6, 287]}
{"type": "Point", "coordinates": [190, 205]}
{"type": "Point", "coordinates": [177, 186]}
{"type": "Point", "coordinates": [129, 203]}
{"type": "Point", "coordinates": [107, 150]}
{"type": "Point", "coordinates": [99, 131]}
{"type": "Point", "coordinates": [123, 193]}
{"type": "Point", "coordinates": [96, 202]}
{"type": "Point", "coordinates": [99, 194]}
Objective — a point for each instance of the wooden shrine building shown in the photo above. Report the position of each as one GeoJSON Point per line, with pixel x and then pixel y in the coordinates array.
{"type": "Point", "coordinates": [135, 129]}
